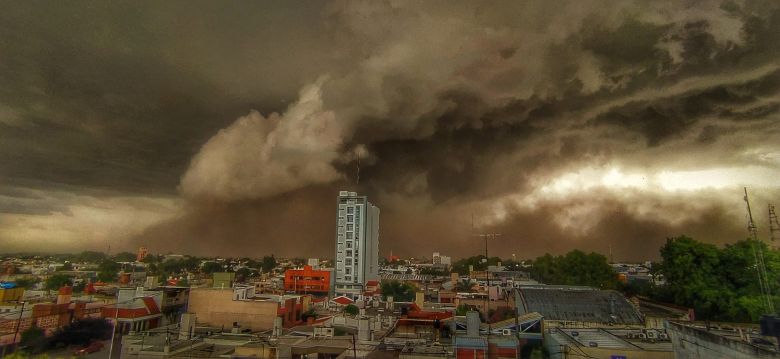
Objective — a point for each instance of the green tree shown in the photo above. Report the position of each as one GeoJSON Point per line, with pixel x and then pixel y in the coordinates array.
{"type": "Point", "coordinates": [82, 332]}
{"type": "Point", "coordinates": [464, 286]}
{"type": "Point", "coordinates": [351, 309]}
{"type": "Point", "coordinates": [720, 284]}
{"type": "Point", "coordinates": [433, 271]}
{"type": "Point", "coordinates": [90, 257]}
{"type": "Point", "coordinates": [309, 313]}
{"type": "Point", "coordinates": [461, 266]}
{"type": "Point", "coordinates": [268, 263]}
{"type": "Point", "coordinates": [108, 270]}
{"type": "Point", "coordinates": [690, 269]}
{"type": "Point", "coordinates": [242, 274]}
{"type": "Point", "coordinates": [67, 266]}
{"type": "Point", "coordinates": [401, 291]}
{"type": "Point", "coordinates": [34, 340]}
{"type": "Point", "coordinates": [56, 281]}
{"type": "Point", "coordinates": [125, 257]}
{"type": "Point", "coordinates": [211, 267]}
{"type": "Point", "coordinates": [463, 308]}
{"type": "Point", "coordinates": [27, 283]}
{"type": "Point", "coordinates": [575, 268]}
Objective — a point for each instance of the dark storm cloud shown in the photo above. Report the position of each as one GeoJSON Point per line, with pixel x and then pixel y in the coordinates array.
{"type": "Point", "coordinates": [657, 119]}
{"type": "Point", "coordinates": [118, 95]}
{"type": "Point", "coordinates": [451, 109]}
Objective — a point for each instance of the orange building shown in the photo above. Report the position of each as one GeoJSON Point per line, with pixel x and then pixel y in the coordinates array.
{"type": "Point", "coordinates": [307, 280]}
{"type": "Point", "coordinates": [142, 253]}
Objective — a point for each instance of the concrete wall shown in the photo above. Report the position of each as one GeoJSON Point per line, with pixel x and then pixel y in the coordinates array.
{"type": "Point", "coordinates": [217, 307]}
{"type": "Point", "coordinates": [695, 343]}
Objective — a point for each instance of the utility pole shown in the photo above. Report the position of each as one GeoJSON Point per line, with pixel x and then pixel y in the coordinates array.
{"type": "Point", "coordinates": [487, 236]}
{"type": "Point", "coordinates": [18, 324]}
{"type": "Point", "coordinates": [16, 331]}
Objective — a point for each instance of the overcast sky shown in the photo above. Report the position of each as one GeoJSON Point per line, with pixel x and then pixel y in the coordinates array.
{"type": "Point", "coordinates": [228, 128]}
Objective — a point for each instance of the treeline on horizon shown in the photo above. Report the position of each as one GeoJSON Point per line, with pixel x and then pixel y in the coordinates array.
{"type": "Point", "coordinates": [719, 283]}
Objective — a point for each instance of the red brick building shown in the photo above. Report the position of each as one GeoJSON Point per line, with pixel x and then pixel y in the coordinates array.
{"type": "Point", "coordinates": [307, 281]}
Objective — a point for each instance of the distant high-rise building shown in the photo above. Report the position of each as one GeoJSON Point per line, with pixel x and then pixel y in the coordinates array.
{"type": "Point", "coordinates": [441, 259]}
{"type": "Point", "coordinates": [357, 244]}
{"type": "Point", "coordinates": [142, 252]}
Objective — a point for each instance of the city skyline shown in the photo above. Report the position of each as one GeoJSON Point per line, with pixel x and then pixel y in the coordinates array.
{"type": "Point", "coordinates": [215, 128]}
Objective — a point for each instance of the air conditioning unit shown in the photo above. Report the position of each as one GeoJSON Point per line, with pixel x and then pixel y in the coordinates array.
{"type": "Point", "coordinates": [663, 336]}
{"type": "Point", "coordinates": [506, 331]}
{"type": "Point", "coordinates": [652, 334]}
{"type": "Point", "coordinates": [642, 336]}
{"type": "Point", "coordinates": [575, 333]}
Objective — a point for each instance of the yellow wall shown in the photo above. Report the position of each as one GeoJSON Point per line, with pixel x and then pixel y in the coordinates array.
{"type": "Point", "coordinates": [11, 294]}
{"type": "Point", "coordinates": [217, 307]}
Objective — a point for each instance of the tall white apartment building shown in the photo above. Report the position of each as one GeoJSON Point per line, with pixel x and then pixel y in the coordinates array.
{"type": "Point", "coordinates": [357, 244]}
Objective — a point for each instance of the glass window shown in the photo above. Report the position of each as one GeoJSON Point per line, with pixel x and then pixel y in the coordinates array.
{"type": "Point", "coordinates": [348, 261]}
{"type": "Point", "coordinates": [348, 270]}
{"type": "Point", "coordinates": [350, 227]}
{"type": "Point", "coordinates": [350, 218]}
{"type": "Point", "coordinates": [349, 253]}
{"type": "Point", "coordinates": [349, 244]}
{"type": "Point", "coordinates": [350, 210]}
{"type": "Point", "coordinates": [350, 235]}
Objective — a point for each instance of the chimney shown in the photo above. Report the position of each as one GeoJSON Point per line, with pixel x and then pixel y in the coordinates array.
{"type": "Point", "coordinates": [277, 330]}
{"type": "Point", "coordinates": [364, 330]}
{"type": "Point", "coordinates": [187, 325]}
{"type": "Point", "coordinates": [611, 305]}
{"type": "Point", "coordinates": [419, 299]}
{"type": "Point", "coordinates": [64, 295]}
{"type": "Point", "coordinates": [472, 323]}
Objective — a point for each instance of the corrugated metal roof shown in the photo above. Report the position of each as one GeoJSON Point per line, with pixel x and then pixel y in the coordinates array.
{"type": "Point", "coordinates": [578, 304]}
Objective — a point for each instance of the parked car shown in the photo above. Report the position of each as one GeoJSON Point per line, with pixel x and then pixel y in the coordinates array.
{"type": "Point", "coordinates": [91, 348]}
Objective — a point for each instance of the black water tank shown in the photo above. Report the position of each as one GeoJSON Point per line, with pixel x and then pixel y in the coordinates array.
{"type": "Point", "coordinates": [770, 325]}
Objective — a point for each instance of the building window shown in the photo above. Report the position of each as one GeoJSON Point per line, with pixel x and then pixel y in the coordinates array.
{"type": "Point", "coordinates": [348, 278]}
{"type": "Point", "coordinates": [350, 210]}
{"type": "Point", "coordinates": [349, 244]}
{"type": "Point", "coordinates": [350, 227]}
{"type": "Point", "coordinates": [348, 270]}
{"type": "Point", "coordinates": [350, 218]}
{"type": "Point", "coordinates": [348, 261]}
{"type": "Point", "coordinates": [349, 253]}
{"type": "Point", "coordinates": [350, 235]}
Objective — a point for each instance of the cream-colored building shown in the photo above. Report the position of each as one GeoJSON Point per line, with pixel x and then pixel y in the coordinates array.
{"type": "Point", "coordinates": [219, 307]}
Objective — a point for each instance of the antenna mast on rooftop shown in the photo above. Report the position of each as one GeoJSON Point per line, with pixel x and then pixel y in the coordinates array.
{"type": "Point", "coordinates": [774, 225]}
{"type": "Point", "coordinates": [758, 254]}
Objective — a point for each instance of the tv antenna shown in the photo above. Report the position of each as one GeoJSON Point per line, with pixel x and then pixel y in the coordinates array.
{"type": "Point", "coordinates": [774, 225]}
{"type": "Point", "coordinates": [758, 255]}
